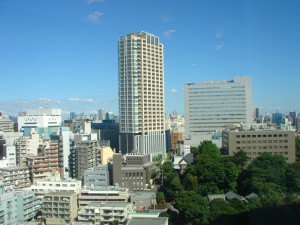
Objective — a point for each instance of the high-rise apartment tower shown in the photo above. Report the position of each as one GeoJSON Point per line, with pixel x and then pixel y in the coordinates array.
{"type": "Point", "coordinates": [141, 94]}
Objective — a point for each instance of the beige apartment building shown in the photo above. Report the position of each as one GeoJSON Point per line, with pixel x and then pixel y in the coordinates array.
{"type": "Point", "coordinates": [15, 177]}
{"type": "Point", "coordinates": [141, 94]}
{"type": "Point", "coordinates": [59, 206]}
{"type": "Point", "coordinates": [258, 141]}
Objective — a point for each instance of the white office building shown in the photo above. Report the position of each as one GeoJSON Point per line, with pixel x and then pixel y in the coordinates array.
{"type": "Point", "coordinates": [47, 120]}
{"type": "Point", "coordinates": [141, 94]}
{"type": "Point", "coordinates": [209, 106]}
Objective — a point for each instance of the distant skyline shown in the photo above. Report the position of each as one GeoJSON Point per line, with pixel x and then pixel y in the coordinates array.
{"type": "Point", "coordinates": [65, 53]}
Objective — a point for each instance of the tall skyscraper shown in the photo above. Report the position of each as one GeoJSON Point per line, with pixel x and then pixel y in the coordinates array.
{"type": "Point", "coordinates": [209, 106]}
{"type": "Point", "coordinates": [141, 94]}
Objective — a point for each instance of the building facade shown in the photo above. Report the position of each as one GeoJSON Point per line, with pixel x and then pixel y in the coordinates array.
{"type": "Point", "coordinates": [60, 205]}
{"type": "Point", "coordinates": [15, 177]}
{"type": "Point", "coordinates": [6, 125]}
{"type": "Point", "coordinates": [209, 106]}
{"type": "Point", "coordinates": [45, 121]}
{"type": "Point", "coordinates": [97, 176]}
{"type": "Point", "coordinates": [134, 172]}
{"type": "Point", "coordinates": [17, 206]}
{"type": "Point", "coordinates": [102, 194]}
{"type": "Point", "coordinates": [106, 212]}
{"type": "Point", "coordinates": [55, 184]}
{"type": "Point", "coordinates": [257, 141]}
{"type": "Point", "coordinates": [141, 94]}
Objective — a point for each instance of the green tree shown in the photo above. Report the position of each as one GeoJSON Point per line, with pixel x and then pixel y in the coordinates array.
{"type": "Point", "coordinates": [115, 222]}
{"type": "Point", "coordinates": [172, 185]}
{"type": "Point", "coordinates": [160, 197]}
{"type": "Point", "coordinates": [272, 168]}
{"type": "Point", "coordinates": [208, 152]}
{"type": "Point", "coordinates": [190, 182]}
{"type": "Point", "coordinates": [193, 209]}
{"type": "Point", "coordinates": [293, 177]}
{"type": "Point", "coordinates": [194, 150]}
{"type": "Point", "coordinates": [167, 168]}
{"type": "Point", "coordinates": [297, 142]}
{"type": "Point", "coordinates": [219, 207]}
{"type": "Point", "coordinates": [239, 206]}
{"type": "Point", "coordinates": [240, 159]}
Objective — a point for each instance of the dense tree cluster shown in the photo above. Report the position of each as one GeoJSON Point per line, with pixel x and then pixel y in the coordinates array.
{"type": "Point", "coordinates": [275, 183]}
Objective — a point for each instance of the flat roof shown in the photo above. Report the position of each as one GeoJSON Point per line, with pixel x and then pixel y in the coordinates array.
{"type": "Point", "coordinates": [15, 168]}
{"type": "Point", "coordinates": [109, 204]}
{"type": "Point", "coordinates": [147, 221]}
{"type": "Point", "coordinates": [60, 193]}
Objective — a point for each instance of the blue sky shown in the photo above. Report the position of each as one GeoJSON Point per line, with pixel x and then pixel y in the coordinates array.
{"type": "Point", "coordinates": [63, 53]}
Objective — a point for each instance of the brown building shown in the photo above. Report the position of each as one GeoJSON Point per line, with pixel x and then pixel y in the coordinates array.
{"type": "Point", "coordinates": [257, 141]}
{"type": "Point", "coordinates": [133, 172]}
{"type": "Point", "coordinates": [175, 138]}
{"type": "Point", "coordinates": [45, 163]}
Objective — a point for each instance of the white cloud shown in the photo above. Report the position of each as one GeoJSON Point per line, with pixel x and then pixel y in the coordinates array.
{"type": "Point", "coordinates": [220, 47]}
{"type": "Point", "coordinates": [94, 17]}
{"type": "Point", "coordinates": [173, 90]}
{"type": "Point", "coordinates": [168, 33]}
{"type": "Point", "coordinates": [93, 1]}
{"type": "Point", "coordinates": [80, 100]}
{"type": "Point", "coordinates": [165, 19]}
{"type": "Point", "coordinates": [219, 34]}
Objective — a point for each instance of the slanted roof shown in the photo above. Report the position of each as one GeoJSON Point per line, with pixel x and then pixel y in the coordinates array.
{"type": "Point", "coordinates": [213, 197]}
{"type": "Point", "coordinates": [252, 195]}
{"type": "Point", "coordinates": [189, 158]}
{"type": "Point", "coordinates": [232, 195]}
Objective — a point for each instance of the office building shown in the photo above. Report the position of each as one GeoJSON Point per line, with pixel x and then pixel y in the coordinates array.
{"type": "Point", "coordinates": [108, 130]}
{"type": "Point", "coordinates": [209, 106]}
{"type": "Point", "coordinates": [96, 177]}
{"type": "Point", "coordinates": [132, 171]}
{"type": "Point", "coordinates": [44, 121]}
{"type": "Point", "coordinates": [277, 118]}
{"type": "Point", "coordinates": [141, 94]}
{"type": "Point", "coordinates": [6, 125]}
{"type": "Point", "coordinates": [258, 140]}
{"type": "Point", "coordinates": [101, 114]}
{"type": "Point", "coordinates": [63, 140]}
{"type": "Point", "coordinates": [102, 194]}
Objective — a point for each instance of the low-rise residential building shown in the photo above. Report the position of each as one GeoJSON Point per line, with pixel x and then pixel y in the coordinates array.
{"type": "Point", "coordinates": [106, 212]}
{"type": "Point", "coordinates": [15, 177]}
{"type": "Point", "coordinates": [103, 194]}
{"type": "Point", "coordinates": [55, 184]}
{"type": "Point", "coordinates": [258, 140]}
{"type": "Point", "coordinates": [60, 205]}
